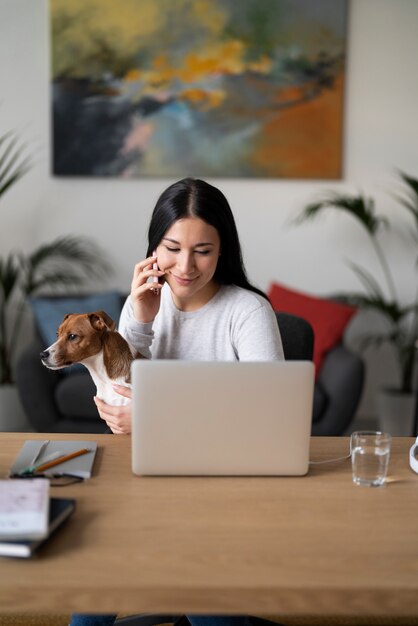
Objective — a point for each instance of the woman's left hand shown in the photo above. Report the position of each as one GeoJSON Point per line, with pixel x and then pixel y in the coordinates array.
{"type": "Point", "coordinates": [118, 418]}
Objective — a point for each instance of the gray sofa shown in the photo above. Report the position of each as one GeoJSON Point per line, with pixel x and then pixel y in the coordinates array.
{"type": "Point", "coordinates": [61, 401]}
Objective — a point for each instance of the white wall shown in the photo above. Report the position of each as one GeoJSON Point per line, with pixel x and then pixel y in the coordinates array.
{"type": "Point", "coordinates": [381, 133]}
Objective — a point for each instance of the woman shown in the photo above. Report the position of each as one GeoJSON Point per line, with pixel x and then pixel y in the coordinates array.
{"type": "Point", "coordinates": [190, 299]}
{"type": "Point", "coordinates": [202, 308]}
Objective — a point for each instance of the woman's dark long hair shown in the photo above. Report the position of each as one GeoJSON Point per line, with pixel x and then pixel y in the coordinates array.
{"type": "Point", "coordinates": [192, 197]}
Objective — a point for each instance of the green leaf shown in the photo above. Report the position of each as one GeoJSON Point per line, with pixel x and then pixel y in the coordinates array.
{"type": "Point", "coordinates": [12, 165]}
{"type": "Point", "coordinates": [411, 182]}
{"type": "Point", "coordinates": [9, 276]}
{"type": "Point", "coordinates": [368, 281]}
{"type": "Point", "coordinates": [49, 281]}
{"type": "Point", "coordinates": [66, 260]}
{"type": "Point", "coordinates": [389, 310]}
{"type": "Point", "coordinates": [362, 209]}
{"type": "Point", "coordinates": [410, 203]}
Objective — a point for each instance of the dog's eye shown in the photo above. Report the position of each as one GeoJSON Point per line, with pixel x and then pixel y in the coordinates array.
{"type": "Point", "coordinates": [71, 337]}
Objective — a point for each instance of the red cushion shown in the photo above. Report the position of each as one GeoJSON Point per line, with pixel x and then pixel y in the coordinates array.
{"type": "Point", "coordinates": [328, 319]}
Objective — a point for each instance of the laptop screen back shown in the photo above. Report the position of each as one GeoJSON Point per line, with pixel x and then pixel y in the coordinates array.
{"type": "Point", "coordinates": [217, 418]}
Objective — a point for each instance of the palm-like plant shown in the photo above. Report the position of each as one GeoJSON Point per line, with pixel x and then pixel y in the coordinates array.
{"type": "Point", "coordinates": [66, 262]}
{"type": "Point", "coordinates": [401, 320]}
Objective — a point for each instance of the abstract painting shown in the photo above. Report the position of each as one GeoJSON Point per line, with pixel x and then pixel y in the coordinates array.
{"type": "Point", "coordinates": [206, 88]}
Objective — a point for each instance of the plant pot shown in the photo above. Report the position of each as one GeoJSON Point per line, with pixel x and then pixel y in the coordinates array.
{"type": "Point", "coordinates": [396, 412]}
{"type": "Point", "coordinates": [12, 415]}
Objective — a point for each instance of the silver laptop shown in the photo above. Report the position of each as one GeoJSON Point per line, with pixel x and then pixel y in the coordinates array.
{"type": "Point", "coordinates": [221, 419]}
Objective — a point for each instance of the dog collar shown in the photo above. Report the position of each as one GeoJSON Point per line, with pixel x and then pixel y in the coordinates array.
{"type": "Point", "coordinates": [413, 456]}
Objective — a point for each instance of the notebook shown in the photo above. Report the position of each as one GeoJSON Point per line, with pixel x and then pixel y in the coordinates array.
{"type": "Point", "coordinates": [215, 418]}
{"type": "Point", "coordinates": [59, 510]}
{"type": "Point", "coordinates": [24, 508]}
{"type": "Point", "coordinates": [81, 466]}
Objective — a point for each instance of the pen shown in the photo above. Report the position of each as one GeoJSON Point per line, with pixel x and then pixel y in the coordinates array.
{"type": "Point", "coordinates": [62, 459]}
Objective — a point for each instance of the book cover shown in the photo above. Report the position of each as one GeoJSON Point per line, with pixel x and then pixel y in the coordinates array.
{"type": "Point", "coordinates": [24, 508]}
{"type": "Point", "coordinates": [80, 466]}
{"type": "Point", "coordinates": [60, 509]}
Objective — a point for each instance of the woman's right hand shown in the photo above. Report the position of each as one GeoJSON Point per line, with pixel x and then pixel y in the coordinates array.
{"type": "Point", "coordinates": [118, 418]}
{"type": "Point", "coordinates": [145, 295]}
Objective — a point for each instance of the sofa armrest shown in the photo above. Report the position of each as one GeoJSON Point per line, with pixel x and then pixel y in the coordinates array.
{"type": "Point", "coordinates": [36, 384]}
{"type": "Point", "coordinates": [342, 378]}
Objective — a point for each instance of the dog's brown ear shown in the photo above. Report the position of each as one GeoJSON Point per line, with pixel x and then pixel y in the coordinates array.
{"type": "Point", "coordinates": [63, 320]}
{"type": "Point", "coordinates": [101, 321]}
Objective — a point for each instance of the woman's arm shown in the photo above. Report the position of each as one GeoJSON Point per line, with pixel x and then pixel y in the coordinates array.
{"type": "Point", "coordinates": [135, 325]}
{"type": "Point", "coordinates": [118, 418]}
{"type": "Point", "coordinates": [141, 306]}
{"type": "Point", "coordinates": [256, 335]}
{"type": "Point", "coordinates": [139, 334]}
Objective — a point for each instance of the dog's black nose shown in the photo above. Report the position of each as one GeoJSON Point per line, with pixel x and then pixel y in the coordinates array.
{"type": "Point", "coordinates": [44, 354]}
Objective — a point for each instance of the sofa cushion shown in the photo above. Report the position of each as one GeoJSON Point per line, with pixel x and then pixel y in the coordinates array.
{"type": "Point", "coordinates": [327, 318]}
{"type": "Point", "coordinates": [50, 311]}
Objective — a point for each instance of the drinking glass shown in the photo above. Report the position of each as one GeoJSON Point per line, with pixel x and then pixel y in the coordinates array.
{"type": "Point", "coordinates": [370, 453]}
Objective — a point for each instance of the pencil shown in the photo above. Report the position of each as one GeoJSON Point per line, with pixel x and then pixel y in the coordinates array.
{"type": "Point", "coordinates": [62, 459]}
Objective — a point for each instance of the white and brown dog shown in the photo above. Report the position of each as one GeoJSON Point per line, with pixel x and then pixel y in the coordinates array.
{"type": "Point", "coordinates": [92, 339]}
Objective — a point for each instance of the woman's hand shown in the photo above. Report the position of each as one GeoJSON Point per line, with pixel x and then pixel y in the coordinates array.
{"type": "Point", "coordinates": [118, 418]}
{"type": "Point", "coordinates": [145, 295]}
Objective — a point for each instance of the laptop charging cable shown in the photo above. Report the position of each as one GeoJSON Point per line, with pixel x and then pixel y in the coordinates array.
{"type": "Point", "coordinates": [339, 458]}
{"type": "Point", "coordinates": [413, 457]}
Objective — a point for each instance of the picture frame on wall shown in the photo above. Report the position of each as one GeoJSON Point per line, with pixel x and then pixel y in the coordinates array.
{"type": "Point", "coordinates": [220, 88]}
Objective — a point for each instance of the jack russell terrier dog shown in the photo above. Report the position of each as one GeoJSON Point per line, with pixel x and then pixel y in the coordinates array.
{"type": "Point", "coordinates": [91, 339]}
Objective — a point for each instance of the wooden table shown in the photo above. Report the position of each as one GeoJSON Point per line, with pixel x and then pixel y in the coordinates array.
{"type": "Point", "coordinates": [316, 545]}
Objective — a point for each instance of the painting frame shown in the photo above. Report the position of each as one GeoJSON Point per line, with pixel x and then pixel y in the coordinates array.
{"type": "Point", "coordinates": [219, 88]}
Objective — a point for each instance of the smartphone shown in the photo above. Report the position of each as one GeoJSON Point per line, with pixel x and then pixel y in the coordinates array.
{"type": "Point", "coordinates": [155, 267]}
{"type": "Point", "coordinates": [155, 278]}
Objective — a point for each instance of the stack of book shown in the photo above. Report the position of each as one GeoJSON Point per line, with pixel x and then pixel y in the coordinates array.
{"type": "Point", "coordinates": [28, 516]}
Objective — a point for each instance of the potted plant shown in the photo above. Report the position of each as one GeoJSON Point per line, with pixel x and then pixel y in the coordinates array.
{"type": "Point", "coordinates": [66, 262]}
{"type": "Point", "coordinates": [401, 320]}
